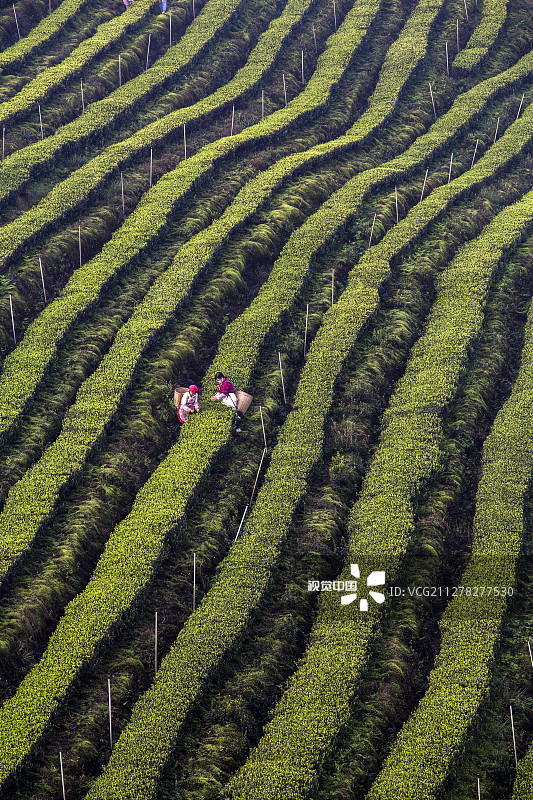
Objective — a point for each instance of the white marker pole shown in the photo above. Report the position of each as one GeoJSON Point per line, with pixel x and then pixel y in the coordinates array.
{"type": "Point", "coordinates": [466, 11]}
{"type": "Point", "coordinates": [16, 20]}
{"type": "Point", "coordinates": [119, 71]}
{"type": "Point", "coordinates": [193, 10]}
{"type": "Point", "coordinates": [458, 34]}
{"type": "Point", "coordinates": [262, 424]}
{"type": "Point", "coordinates": [41, 122]}
{"type": "Point", "coordinates": [151, 165]}
{"type": "Point", "coordinates": [372, 229]}
{"type": "Point", "coordinates": [520, 107]}
{"type": "Point", "coordinates": [82, 97]}
{"type": "Point", "coordinates": [155, 644]}
{"type": "Point", "coordinates": [303, 77]}
{"type": "Point", "coordinates": [496, 131]}
{"type": "Point", "coordinates": [232, 118]}
{"type": "Point", "coordinates": [170, 28]}
{"type": "Point", "coordinates": [305, 334]}
{"type": "Point", "coordinates": [184, 143]}
{"type": "Point", "coordinates": [62, 774]}
{"type": "Point", "coordinates": [12, 318]}
{"type": "Point", "coordinates": [148, 50]}
{"type": "Point", "coordinates": [335, 16]}
{"type": "Point", "coordinates": [194, 582]}
{"type": "Point", "coordinates": [282, 381]}
{"type": "Point", "coordinates": [432, 101]}
{"type": "Point", "coordinates": [396, 198]}
{"type": "Point", "coordinates": [447, 62]}
{"type": "Point", "coordinates": [109, 697]}
{"type": "Point", "coordinates": [450, 170]}
{"type": "Point", "coordinates": [530, 654]}
{"type": "Point", "coordinates": [42, 279]}
{"type": "Point", "coordinates": [256, 479]}
{"type": "Point", "coordinates": [284, 91]}
{"type": "Point", "coordinates": [3, 142]}
{"type": "Point", "coordinates": [332, 286]}
{"type": "Point", "coordinates": [240, 526]}
{"type": "Point", "coordinates": [122, 190]}
{"type": "Point", "coordinates": [478, 789]}
{"type": "Point", "coordinates": [314, 37]}
{"type": "Point", "coordinates": [424, 184]}
{"type": "Point", "coordinates": [514, 738]}
{"type": "Point", "coordinates": [474, 156]}
{"type": "Point", "coordinates": [79, 241]}
{"type": "Point", "coordinates": [262, 104]}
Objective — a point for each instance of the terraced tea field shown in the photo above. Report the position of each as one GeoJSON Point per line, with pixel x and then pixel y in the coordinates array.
{"type": "Point", "coordinates": [331, 202]}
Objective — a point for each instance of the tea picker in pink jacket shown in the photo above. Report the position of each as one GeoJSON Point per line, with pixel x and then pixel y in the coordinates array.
{"type": "Point", "coordinates": [226, 395]}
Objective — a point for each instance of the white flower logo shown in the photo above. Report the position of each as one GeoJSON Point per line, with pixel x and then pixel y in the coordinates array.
{"type": "Point", "coordinates": [376, 578]}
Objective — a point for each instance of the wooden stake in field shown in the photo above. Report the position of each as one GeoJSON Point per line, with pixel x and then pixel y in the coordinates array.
{"type": "Point", "coordinates": [155, 645]}
{"type": "Point", "coordinates": [82, 97]}
{"type": "Point", "coordinates": [372, 229]}
{"type": "Point", "coordinates": [79, 241]}
{"type": "Point", "coordinates": [496, 131]}
{"type": "Point", "coordinates": [424, 184]}
{"type": "Point", "coordinates": [12, 319]}
{"type": "Point", "coordinates": [148, 50]}
{"type": "Point", "coordinates": [514, 738]}
{"type": "Point", "coordinates": [122, 191]}
{"type": "Point", "coordinates": [450, 170]}
{"type": "Point", "coordinates": [432, 101]}
{"type": "Point", "coordinates": [119, 71]}
{"type": "Point", "coordinates": [303, 77]}
{"type": "Point", "coordinates": [16, 20]}
{"type": "Point", "coordinates": [109, 701]}
{"type": "Point", "coordinates": [232, 118]}
{"type": "Point", "coordinates": [466, 11]}
{"type": "Point", "coordinates": [262, 104]}
{"type": "Point", "coordinates": [474, 156]}
{"type": "Point", "coordinates": [458, 48]}
{"type": "Point", "coordinates": [284, 90]}
{"type": "Point", "coordinates": [151, 166]}
{"type": "Point", "coordinates": [530, 654]}
{"type": "Point", "coordinates": [306, 321]}
{"type": "Point", "coordinates": [314, 37]}
{"type": "Point", "coordinates": [42, 279]}
{"type": "Point", "coordinates": [62, 774]}
{"type": "Point", "coordinates": [282, 381]}
{"type": "Point", "coordinates": [194, 582]}
{"type": "Point", "coordinates": [396, 199]}
{"type": "Point", "coordinates": [184, 143]}
{"type": "Point", "coordinates": [447, 62]}
{"type": "Point", "coordinates": [41, 122]}
{"type": "Point", "coordinates": [520, 106]}
{"type": "Point", "coordinates": [240, 526]}
{"type": "Point", "coordinates": [262, 424]}
{"type": "Point", "coordinates": [255, 483]}
{"type": "Point", "coordinates": [335, 16]}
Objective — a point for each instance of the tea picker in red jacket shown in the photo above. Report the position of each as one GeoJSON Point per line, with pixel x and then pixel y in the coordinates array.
{"type": "Point", "coordinates": [226, 395]}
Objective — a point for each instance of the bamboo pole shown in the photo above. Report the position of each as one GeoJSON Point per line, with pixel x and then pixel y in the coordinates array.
{"type": "Point", "coordinates": [514, 738]}
{"type": "Point", "coordinates": [447, 62]}
{"type": "Point", "coordinates": [82, 97]}
{"type": "Point", "coordinates": [62, 774]}
{"type": "Point", "coordinates": [170, 28]}
{"type": "Point", "coordinates": [520, 106]}
{"type": "Point", "coordinates": [16, 20]}
{"type": "Point", "coordinates": [305, 334]}
{"type": "Point", "coordinates": [450, 170]}
{"type": "Point", "coordinates": [303, 77]}
{"type": "Point", "coordinates": [151, 166]}
{"type": "Point", "coordinates": [3, 142]}
{"type": "Point", "coordinates": [256, 479]}
{"type": "Point", "coordinates": [12, 318]}
{"type": "Point", "coordinates": [496, 131]}
{"type": "Point", "coordinates": [240, 526]}
{"type": "Point", "coordinates": [184, 143]}
{"type": "Point", "coordinates": [148, 50]}
{"type": "Point", "coordinates": [466, 11]}
{"type": "Point", "coordinates": [194, 582]}
{"type": "Point", "coordinates": [232, 118]}
{"type": "Point", "coordinates": [458, 48]}
{"type": "Point", "coordinates": [396, 199]}
{"type": "Point", "coordinates": [262, 104]}
{"type": "Point", "coordinates": [79, 240]}
{"type": "Point", "coordinates": [474, 156]}
{"type": "Point", "coordinates": [262, 424]}
{"type": "Point", "coordinates": [372, 229]}
{"type": "Point", "coordinates": [335, 16]}
{"type": "Point", "coordinates": [314, 37]}
{"type": "Point", "coordinates": [119, 71]}
{"type": "Point", "coordinates": [122, 190]}
{"type": "Point", "coordinates": [41, 122]}
{"type": "Point", "coordinates": [284, 90]}
{"type": "Point", "coordinates": [42, 279]}
{"type": "Point", "coordinates": [282, 381]}
{"type": "Point", "coordinates": [432, 100]}
{"type": "Point", "coordinates": [110, 718]}
{"type": "Point", "coordinates": [424, 184]}
{"type": "Point", "coordinates": [155, 644]}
